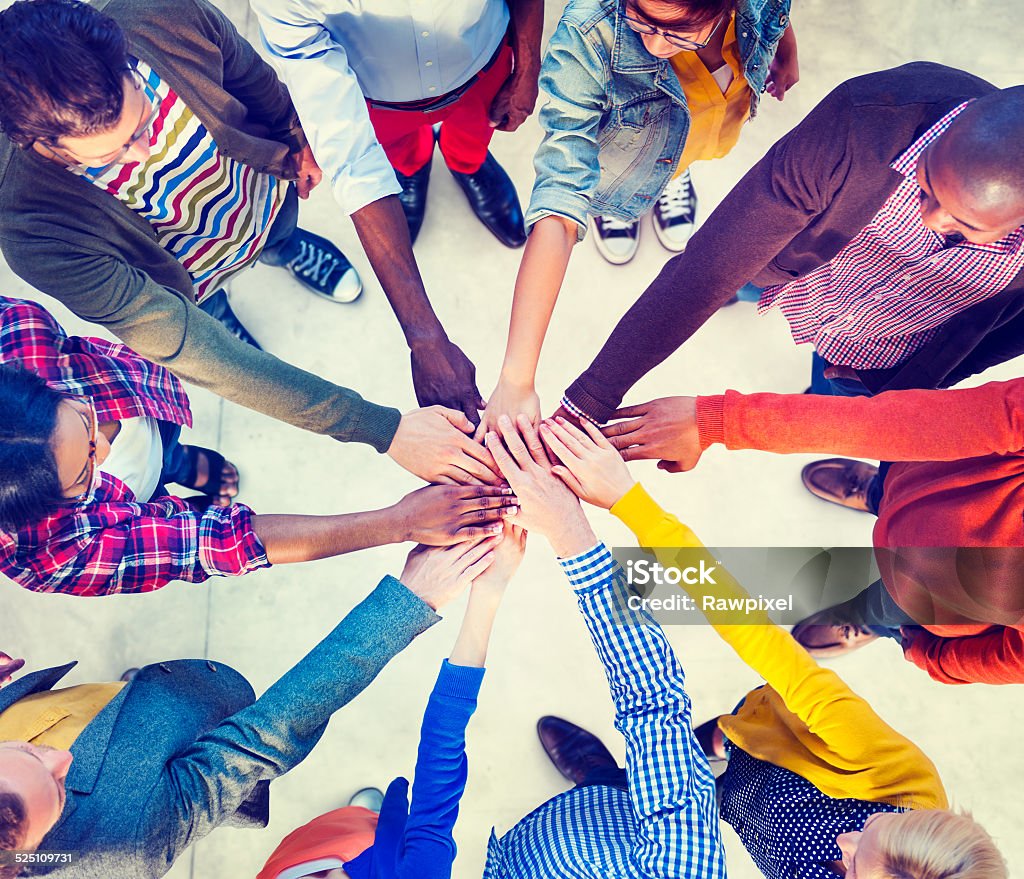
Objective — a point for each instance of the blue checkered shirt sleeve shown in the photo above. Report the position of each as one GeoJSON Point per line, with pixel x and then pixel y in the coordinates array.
{"type": "Point", "coordinates": [671, 786]}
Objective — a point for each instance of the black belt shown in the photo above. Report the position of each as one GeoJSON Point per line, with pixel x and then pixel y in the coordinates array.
{"type": "Point", "coordinates": [441, 101]}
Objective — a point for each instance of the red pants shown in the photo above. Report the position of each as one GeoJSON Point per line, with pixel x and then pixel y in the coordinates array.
{"type": "Point", "coordinates": [408, 139]}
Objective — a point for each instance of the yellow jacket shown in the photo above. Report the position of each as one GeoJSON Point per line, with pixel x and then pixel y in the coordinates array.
{"type": "Point", "coordinates": [806, 719]}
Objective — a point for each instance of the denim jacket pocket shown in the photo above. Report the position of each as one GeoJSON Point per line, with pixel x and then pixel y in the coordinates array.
{"type": "Point", "coordinates": [628, 147]}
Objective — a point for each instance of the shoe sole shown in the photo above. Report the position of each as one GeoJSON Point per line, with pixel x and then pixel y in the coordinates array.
{"type": "Point", "coordinates": [671, 246]}
{"type": "Point", "coordinates": [612, 258]}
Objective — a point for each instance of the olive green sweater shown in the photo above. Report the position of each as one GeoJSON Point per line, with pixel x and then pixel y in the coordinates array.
{"type": "Point", "coordinates": [69, 239]}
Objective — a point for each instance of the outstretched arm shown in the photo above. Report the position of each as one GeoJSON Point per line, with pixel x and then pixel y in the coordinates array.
{"type": "Point", "coordinates": [911, 425]}
{"type": "Point", "coordinates": [671, 785]}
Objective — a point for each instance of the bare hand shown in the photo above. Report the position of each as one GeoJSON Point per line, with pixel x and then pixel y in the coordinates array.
{"type": "Point", "coordinates": [507, 558]}
{"type": "Point", "coordinates": [440, 515]}
{"type": "Point", "coordinates": [547, 504]}
{"type": "Point", "coordinates": [515, 100]}
{"type": "Point", "coordinates": [510, 400]}
{"type": "Point", "coordinates": [307, 172]}
{"type": "Point", "coordinates": [590, 465]}
{"type": "Point", "coordinates": [9, 667]}
{"type": "Point", "coordinates": [443, 376]}
{"type": "Point", "coordinates": [784, 71]}
{"type": "Point", "coordinates": [664, 429]}
{"type": "Point", "coordinates": [438, 575]}
{"type": "Point", "coordinates": [433, 444]}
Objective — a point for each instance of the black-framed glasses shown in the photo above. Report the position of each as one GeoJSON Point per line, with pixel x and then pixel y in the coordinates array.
{"type": "Point", "coordinates": [97, 167]}
{"type": "Point", "coordinates": [643, 27]}
{"type": "Point", "coordinates": [88, 474]}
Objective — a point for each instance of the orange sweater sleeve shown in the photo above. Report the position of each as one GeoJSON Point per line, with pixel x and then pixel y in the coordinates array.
{"type": "Point", "coordinates": [993, 657]}
{"type": "Point", "coordinates": [894, 426]}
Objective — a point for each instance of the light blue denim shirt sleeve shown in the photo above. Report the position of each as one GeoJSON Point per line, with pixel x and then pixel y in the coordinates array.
{"type": "Point", "coordinates": [573, 76]}
{"type": "Point", "coordinates": [329, 101]}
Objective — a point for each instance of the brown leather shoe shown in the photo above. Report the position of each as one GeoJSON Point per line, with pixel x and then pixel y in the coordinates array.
{"type": "Point", "coordinates": [840, 481]}
{"type": "Point", "coordinates": [573, 750]}
{"type": "Point", "coordinates": [824, 634]}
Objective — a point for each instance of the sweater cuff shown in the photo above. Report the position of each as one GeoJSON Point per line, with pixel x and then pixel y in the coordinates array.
{"type": "Point", "coordinates": [636, 509]}
{"type": "Point", "coordinates": [587, 404]}
{"type": "Point", "coordinates": [711, 420]}
{"type": "Point", "coordinates": [377, 426]}
{"type": "Point", "coordinates": [459, 681]}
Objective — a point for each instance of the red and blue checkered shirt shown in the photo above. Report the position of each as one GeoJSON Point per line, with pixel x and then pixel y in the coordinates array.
{"type": "Point", "coordinates": [884, 295]}
{"type": "Point", "coordinates": [115, 544]}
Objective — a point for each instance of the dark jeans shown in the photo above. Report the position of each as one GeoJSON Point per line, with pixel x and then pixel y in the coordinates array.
{"type": "Point", "coordinates": [875, 609]}
{"type": "Point", "coordinates": [280, 249]}
{"type": "Point", "coordinates": [606, 777]}
{"type": "Point", "coordinates": [176, 464]}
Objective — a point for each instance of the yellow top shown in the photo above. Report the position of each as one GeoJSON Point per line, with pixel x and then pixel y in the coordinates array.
{"type": "Point", "coordinates": [715, 118]}
{"type": "Point", "coordinates": [806, 719]}
{"type": "Point", "coordinates": [56, 717]}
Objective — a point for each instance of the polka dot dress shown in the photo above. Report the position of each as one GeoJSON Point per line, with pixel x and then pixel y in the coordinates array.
{"type": "Point", "coordinates": [786, 823]}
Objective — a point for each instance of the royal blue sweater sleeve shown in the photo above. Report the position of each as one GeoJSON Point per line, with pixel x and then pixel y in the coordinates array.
{"type": "Point", "coordinates": [441, 770]}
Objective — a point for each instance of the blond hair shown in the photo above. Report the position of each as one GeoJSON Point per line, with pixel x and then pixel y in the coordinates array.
{"type": "Point", "coordinates": [938, 844]}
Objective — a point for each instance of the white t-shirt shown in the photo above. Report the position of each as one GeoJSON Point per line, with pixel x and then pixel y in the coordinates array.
{"type": "Point", "coordinates": [137, 456]}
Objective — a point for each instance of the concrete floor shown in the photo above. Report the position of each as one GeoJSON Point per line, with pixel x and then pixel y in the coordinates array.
{"type": "Point", "coordinates": [541, 659]}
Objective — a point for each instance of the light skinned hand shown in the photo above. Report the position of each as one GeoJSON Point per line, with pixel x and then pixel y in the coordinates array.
{"type": "Point", "coordinates": [664, 430]}
{"type": "Point", "coordinates": [511, 400]}
{"type": "Point", "coordinates": [440, 515]}
{"type": "Point", "coordinates": [546, 503]}
{"type": "Point", "coordinates": [507, 557]}
{"type": "Point", "coordinates": [9, 667]}
{"type": "Point", "coordinates": [784, 70]}
{"type": "Point", "coordinates": [439, 575]}
{"type": "Point", "coordinates": [590, 465]}
{"type": "Point", "coordinates": [436, 444]}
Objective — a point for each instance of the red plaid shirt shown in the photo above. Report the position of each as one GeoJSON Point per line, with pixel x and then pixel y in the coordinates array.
{"type": "Point", "coordinates": [883, 296]}
{"type": "Point", "coordinates": [115, 544]}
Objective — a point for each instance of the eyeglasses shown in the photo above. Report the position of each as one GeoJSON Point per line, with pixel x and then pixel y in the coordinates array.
{"type": "Point", "coordinates": [89, 471]}
{"type": "Point", "coordinates": [91, 168]}
{"type": "Point", "coordinates": [642, 27]}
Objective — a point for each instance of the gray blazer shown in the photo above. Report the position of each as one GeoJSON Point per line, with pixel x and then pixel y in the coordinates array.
{"type": "Point", "coordinates": [185, 747]}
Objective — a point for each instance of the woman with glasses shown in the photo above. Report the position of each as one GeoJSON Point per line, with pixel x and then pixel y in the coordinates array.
{"type": "Point", "coordinates": [88, 440]}
{"type": "Point", "coordinates": [637, 90]}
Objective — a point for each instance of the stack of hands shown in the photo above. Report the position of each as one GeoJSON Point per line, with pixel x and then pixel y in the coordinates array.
{"type": "Point", "coordinates": [543, 472]}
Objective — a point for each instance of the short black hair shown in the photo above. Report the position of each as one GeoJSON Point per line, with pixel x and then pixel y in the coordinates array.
{"type": "Point", "coordinates": [30, 488]}
{"type": "Point", "coordinates": [690, 13]}
{"type": "Point", "coordinates": [62, 70]}
{"type": "Point", "coordinates": [13, 827]}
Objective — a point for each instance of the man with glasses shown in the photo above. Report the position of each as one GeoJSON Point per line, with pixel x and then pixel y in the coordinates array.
{"type": "Point", "coordinates": [150, 156]}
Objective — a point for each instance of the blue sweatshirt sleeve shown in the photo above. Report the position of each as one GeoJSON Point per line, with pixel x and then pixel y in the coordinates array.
{"type": "Point", "coordinates": [441, 771]}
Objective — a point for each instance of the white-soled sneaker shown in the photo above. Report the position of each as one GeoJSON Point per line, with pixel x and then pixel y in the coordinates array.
{"type": "Point", "coordinates": [324, 269]}
{"type": "Point", "coordinates": [675, 214]}
{"type": "Point", "coordinates": [371, 798]}
{"type": "Point", "coordinates": [617, 240]}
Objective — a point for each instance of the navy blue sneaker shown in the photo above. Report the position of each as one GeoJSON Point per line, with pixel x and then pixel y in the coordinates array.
{"type": "Point", "coordinates": [323, 268]}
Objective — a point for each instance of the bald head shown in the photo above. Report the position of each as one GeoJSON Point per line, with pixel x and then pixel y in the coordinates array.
{"type": "Point", "coordinates": [986, 145]}
{"type": "Point", "coordinates": [972, 177]}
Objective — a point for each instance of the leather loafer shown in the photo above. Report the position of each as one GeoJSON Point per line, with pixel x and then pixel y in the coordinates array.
{"type": "Point", "coordinates": [414, 198]}
{"type": "Point", "coordinates": [493, 198]}
{"type": "Point", "coordinates": [825, 634]}
{"type": "Point", "coordinates": [573, 750]}
{"type": "Point", "coordinates": [840, 481]}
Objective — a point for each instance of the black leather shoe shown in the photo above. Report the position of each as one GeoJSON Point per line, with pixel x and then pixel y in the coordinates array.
{"type": "Point", "coordinates": [494, 200]}
{"type": "Point", "coordinates": [217, 306]}
{"type": "Point", "coordinates": [574, 751]}
{"type": "Point", "coordinates": [414, 198]}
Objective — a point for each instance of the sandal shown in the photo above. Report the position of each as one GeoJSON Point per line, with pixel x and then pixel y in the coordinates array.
{"type": "Point", "coordinates": [220, 490]}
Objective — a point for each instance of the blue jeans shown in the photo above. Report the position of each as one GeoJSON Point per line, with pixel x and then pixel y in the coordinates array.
{"type": "Point", "coordinates": [175, 465]}
{"type": "Point", "coordinates": [875, 609]}
{"type": "Point", "coordinates": [280, 249]}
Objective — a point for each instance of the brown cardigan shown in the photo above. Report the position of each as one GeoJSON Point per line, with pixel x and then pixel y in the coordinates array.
{"type": "Point", "coordinates": [793, 211]}
{"type": "Point", "coordinates": [71, 240]}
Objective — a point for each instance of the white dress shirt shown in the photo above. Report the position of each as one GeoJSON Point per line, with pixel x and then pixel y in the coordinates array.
{"type": "Point", "coordinates": [332, 54]}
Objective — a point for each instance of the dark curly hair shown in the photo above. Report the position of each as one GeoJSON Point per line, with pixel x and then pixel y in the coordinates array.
{"type": "Point", "coordinates": [30, 488]}
{"type": "Point", "coordinates": [13, 826]}
{"type": "Point", "coordinates": [62, 70]}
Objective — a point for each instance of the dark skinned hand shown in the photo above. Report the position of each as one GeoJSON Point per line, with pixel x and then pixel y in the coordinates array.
{"type": "Point", "coordinates": [443, 376]}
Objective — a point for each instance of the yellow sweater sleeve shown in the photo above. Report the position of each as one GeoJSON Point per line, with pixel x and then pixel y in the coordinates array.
{"type": "Point", "coordinates": [848, 730]}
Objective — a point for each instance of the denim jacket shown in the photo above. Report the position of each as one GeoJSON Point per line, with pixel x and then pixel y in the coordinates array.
{"type": "Point", "coordinates": [616, 119]}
